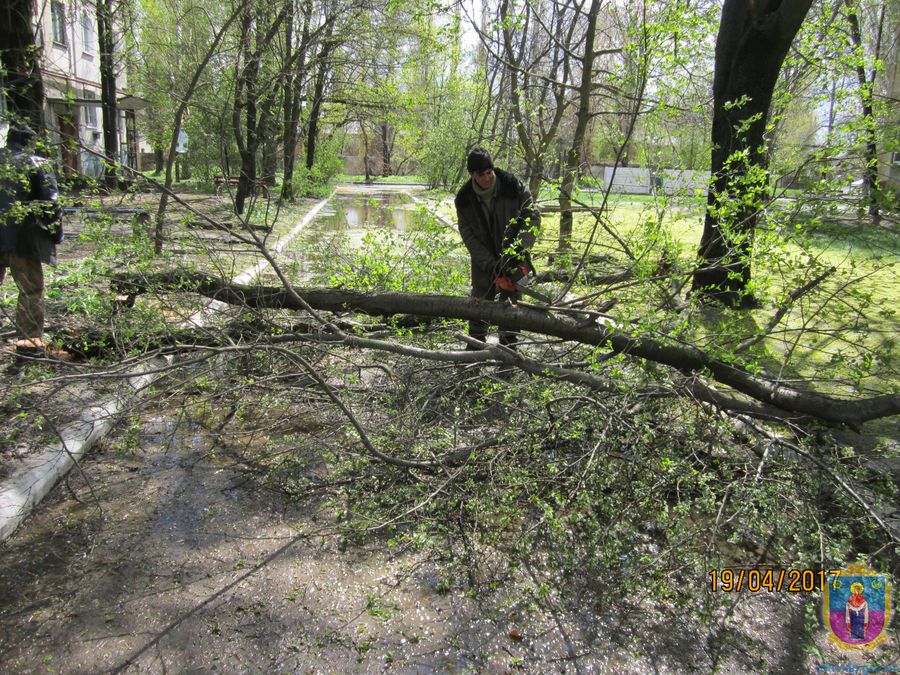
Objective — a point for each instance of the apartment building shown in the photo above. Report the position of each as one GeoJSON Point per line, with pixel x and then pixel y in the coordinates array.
{"type": "Point", "coordinates": [66, 34]}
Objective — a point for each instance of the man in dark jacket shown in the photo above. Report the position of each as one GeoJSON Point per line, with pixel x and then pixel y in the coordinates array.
{"type": "Point", "coordinates": [30, 228]}
{"type": "Point", "coordinates": [498, 223]}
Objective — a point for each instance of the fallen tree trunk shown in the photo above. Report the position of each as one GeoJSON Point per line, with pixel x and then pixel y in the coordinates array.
{"type": "Point", "coordinates": [684, 358]}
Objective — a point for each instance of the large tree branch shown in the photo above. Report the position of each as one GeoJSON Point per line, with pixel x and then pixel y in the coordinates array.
{"type": "Point", "coordinates": [684, 358]}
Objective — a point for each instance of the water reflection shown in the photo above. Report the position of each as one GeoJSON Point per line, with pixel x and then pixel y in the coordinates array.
{"type": "Point", "coordinates": [342, 224]}
{"type": "Point", "coordinates": [357, 212]}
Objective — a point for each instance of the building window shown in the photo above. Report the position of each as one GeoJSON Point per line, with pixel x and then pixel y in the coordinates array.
{"type": "Point", "coordinates": [88, 34]}
{"type": "Point", "coordinates": [90, 110]}
{"type": "Point", "coordinates": [58, 16]}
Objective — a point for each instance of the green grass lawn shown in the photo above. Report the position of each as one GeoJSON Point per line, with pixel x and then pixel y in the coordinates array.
{"type": "Point", "coordinates": [840, 337]}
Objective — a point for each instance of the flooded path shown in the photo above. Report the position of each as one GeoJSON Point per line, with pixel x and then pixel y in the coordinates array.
{"type": "Point", "coordinates": [351, 213]}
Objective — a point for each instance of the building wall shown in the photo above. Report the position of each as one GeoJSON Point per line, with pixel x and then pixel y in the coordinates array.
{"type": "Point", "coordinates": [66, 33]}
{"type": "Point", "coordinates": [645, 181]}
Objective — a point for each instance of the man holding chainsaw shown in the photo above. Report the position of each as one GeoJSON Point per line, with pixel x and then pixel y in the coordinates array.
{"type": "Point", "coordinates": [498, 223]}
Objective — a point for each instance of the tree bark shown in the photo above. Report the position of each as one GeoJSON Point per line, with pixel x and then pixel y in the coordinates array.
{"type": "Point", "coordinates": [269, 146]}
{"type": "Point", "coordinates": [293, 98]}
{"type": "Point", "coordinates": [366, 168]}
{"type": "Point", "coordinates": [20, 59]}
{"type": "Point", "coordinates": [753, 40]}
{"type": "Point", "coordinates": [386, 149]}
{"type": "Point", "coordinates": [245, 117]}
{"type": "Point", "coordinates": [315, 111]}
{"type": "Point", "coordinates": [871, 184]}
{"type": "Point", "coordinates": [685, 359]}
{"type": "Point", "coordinates": [109, 104]}
{"type": "Point", "coordinates": [572, 168]}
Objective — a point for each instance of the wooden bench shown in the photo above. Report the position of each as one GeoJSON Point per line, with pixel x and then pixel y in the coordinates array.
{"type": "Point", "coordinates": [259, 185]}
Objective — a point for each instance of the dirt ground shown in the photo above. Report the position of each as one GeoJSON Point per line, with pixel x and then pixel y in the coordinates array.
{"type": "Point", "coordinates": [157, 555]}
{"type": "Point", "coordinates": [168, 560]}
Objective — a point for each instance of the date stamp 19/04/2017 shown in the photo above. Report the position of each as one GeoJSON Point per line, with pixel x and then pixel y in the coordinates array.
{"type": "Point", "coordinates": [772, 580]}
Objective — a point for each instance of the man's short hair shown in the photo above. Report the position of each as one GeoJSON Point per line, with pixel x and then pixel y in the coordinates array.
{"type": "Point", "coordinates": [479, 160]}
{"type": "Point", "coordinates": [20, 135]}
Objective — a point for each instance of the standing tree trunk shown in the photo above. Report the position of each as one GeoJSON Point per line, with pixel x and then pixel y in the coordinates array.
{"type": "Point", "coordinates": [108, 101]}
{"type": "Point", "coordinates": [871, 184]}
{"type": "Point", "coordinates": [753, 40]}
{"type": "Point", "coordinates": [292, 101]}
{"type": "Point", "coordinates": [362, 128]}
{"type": "Point", "coordinates": [572, 168]}
{"type": "Point", "coordinates": [536, 138]}
{"type": "Point", "coordinates": [386, 150]}
{"type": "Point", "coordinates": [268, 124]}
{"type": "Point", "coordinates": [20, 60]}
{"type": "Point", "coordinates": [245, 118]}
{"type": "Point", "coordinates": [315, 111]}
{"type": "Point", "coordinates": [293, 98]}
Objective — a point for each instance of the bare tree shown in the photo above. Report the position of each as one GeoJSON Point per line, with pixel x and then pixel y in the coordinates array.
{"type": "Point", "coordinates": [572, 167]}
{"type": "Point", "coordinates": [20, 58]}
{"type": "Point", "coordinates": [179, 117]}
{"type": "Point", "coordinates": [258, 28]}
{"type": "Point", "coordinates": [109, 102]}
{"type": "Point", "coordinates": [538, 71]}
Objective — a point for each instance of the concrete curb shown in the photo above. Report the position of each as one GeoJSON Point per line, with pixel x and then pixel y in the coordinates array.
{"type": "Point", "coordinates": [20, 493]}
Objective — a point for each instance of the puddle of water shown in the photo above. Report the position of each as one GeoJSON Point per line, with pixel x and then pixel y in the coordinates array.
{"type": "Point", "coordinates": [347, 218]}
{"type": "Point", "coordinates": [352, 215]}
{"type": "Point", "coordinates": [385, 210]}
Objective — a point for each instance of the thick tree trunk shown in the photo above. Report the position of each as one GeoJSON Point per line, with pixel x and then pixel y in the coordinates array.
{"type": "Point", "coordinates": [269, 150]}
{"type": "Point", "coordinates": [291, 136]}
{"type": "Point", "coordinates": [243, 116]}
{"type": "Point", "coordinates": [753, 41]}
{"type": "Point", "coordinates": [386, 152]}
{"type": "Point", "coordinates": [109, 103]}
{"type": "Point", "coordinates": [366, 168]}
{"type": "Point", "coordinates": [682, 358]}
{"type": "Point", "coordinates": [21, 64]}
{"type": "Point", "coordinates": [293, 98]}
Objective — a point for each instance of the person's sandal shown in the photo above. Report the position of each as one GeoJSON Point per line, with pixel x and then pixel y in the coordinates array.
{"type": "Point", "coordinates": [34, 348]}
{"type": "Point", "coordinates": [30, 347]}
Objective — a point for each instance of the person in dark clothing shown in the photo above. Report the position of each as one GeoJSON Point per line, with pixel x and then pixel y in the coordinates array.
{"type": "Point", "coordinates": [30, 228]}
{"type": "Point", "coordinates": [498, 223]}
